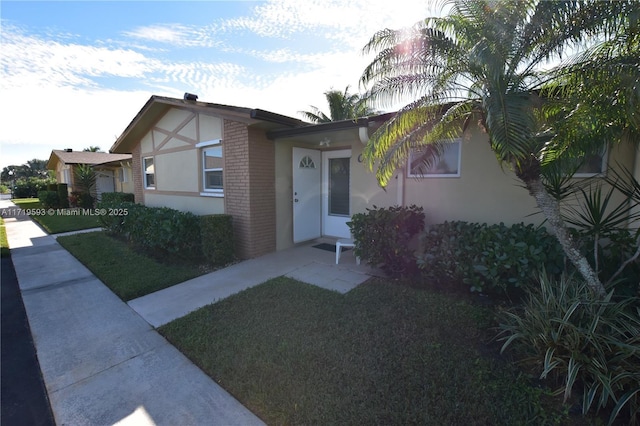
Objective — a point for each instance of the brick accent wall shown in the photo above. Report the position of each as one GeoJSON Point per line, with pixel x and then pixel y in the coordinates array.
{"type": "Point", "coordinates": [249, 188]}
{"type": "Point", "coordinates": [136, 171]}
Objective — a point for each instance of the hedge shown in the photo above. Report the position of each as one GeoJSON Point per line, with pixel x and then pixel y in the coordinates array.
{"type": "Point", "coordinates": [488, 258]}
{"type": "Point", "coordinates": [170, 231]}
{"type": "Point", "coordinates": [217, 238]}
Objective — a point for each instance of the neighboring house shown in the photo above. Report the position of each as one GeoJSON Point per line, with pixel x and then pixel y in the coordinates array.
{"type": "Point", "coordinates": [113, 171]}
{"type": "Point", "coordinates": [285, 181]}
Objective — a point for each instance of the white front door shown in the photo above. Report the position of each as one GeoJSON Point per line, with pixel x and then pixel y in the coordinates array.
{"type": "Point", "coordinates": [306, 194]}
{"type": "Point", "coordinates": [336, 193]}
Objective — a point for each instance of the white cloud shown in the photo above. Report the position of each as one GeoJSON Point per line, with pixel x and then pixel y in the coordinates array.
{"type": "Point", "coordinates": [29, 61]}
{"type": "Point", "coordinates": [58, 92]}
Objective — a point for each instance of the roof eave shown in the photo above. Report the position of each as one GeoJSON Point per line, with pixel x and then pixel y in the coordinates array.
{"type": "Point", "coordinates": [328, 127]}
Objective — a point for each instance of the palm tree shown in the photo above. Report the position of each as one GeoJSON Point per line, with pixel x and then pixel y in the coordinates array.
{"type": "Point", "coordinates": [484, 62]}
{"type": "Point", "coordinates": [342, 106]}
{"type": "Point", "coordinates": [92, 149]}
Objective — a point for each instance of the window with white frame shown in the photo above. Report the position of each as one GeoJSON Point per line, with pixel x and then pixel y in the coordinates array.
{"type": "Point", "coordinates": [447, 165]}
{"type": "Point", "coordinates": [593, 164]}
{"type": "Point", "coordinates": [149, 173]}
{"type": "Point", "coordinates": [212, 167]}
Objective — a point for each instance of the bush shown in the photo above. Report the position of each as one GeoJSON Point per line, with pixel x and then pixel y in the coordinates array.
{"type": "Point", "coordinates": [580, 340]}
{"type": "Point", "coordinates": [49, 199]}
{"type": "Point", "coordinates": [63, 195]}
{"type": "Point", "coordinates": [29, 187]}
{"type": "Point", "coordinates": [383, 237]}
{"type": "Point", "coordinates": [84, 200]}
{"type": "Point", "coordinates": [117, 197]}
{"type": "Point", "coordinates": [158, 229]}
{"type": "Point", "coordinates": [217, 238]}
{"type": "Point", "coordinates": [488, 258]}
{"type": "Point", "coordinates": [4, 189]}
{"type": "Point", "coordinates": [114, 223]}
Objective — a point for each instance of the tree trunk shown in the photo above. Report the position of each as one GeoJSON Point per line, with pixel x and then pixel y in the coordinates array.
{"type": "Point", "coordinates": [551, 210]}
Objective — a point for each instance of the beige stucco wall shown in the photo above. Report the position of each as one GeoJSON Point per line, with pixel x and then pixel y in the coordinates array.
{"type": "Point", "coordinates": [127, 186]}
{"type": "Point", "coordinates": [484, 192]}
{"type": "Point", "coordinates": [178, 171]}
{"type": "Point", "coordinates": [284, 192]}
{"type": "Point", "coordinates": [177, 161]}
{"type": "Point", "coordinates": [365, 192]}
{"type": "Point", "coordinates": [196, 205]}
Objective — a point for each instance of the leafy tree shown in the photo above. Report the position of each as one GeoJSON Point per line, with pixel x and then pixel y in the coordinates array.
{"type": "Point", "coordinates": [92, 149]}
{"type": "Point", "coordinates": [32, 168]}
{"type": "Point", "coordinates": [342, 106]}
{"type": "Point", "coordinates": [484, 62]}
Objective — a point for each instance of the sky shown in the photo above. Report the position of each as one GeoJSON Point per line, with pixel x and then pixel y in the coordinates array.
{"type": "Point", "coordinates": [75, 73]}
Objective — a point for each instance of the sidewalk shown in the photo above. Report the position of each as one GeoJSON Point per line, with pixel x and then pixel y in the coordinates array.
{"type": "Point", "coordinates": [303, 263]}
{"type": "Point", "coordinates": [102, 363]}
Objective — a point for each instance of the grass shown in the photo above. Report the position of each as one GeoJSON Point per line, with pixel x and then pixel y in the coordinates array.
{"type": "Point", "coordinates": [57, 223]}
{"type": "Point", "coordinates": [128, 273]}
{"type": "Point", "coordinates": [381, 354]}
{"type": "Point", "coordinates": [4, 244]}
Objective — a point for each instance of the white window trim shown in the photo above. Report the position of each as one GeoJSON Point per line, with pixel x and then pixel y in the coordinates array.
{"type": "Point", "coordinates": [603, 166]}
{"type": "Point", "coordinates": [210, 192]}
{"type": "Point", "coordinates": [144, 174]}
{"type": "Point", "coordinates": [438, 175]}
{"type": "Point", "coordinates": [209, 143]}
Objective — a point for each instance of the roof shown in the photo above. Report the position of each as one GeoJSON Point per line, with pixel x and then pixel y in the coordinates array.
{"type": "Point", "coordinates": [331, 126]}
{"type": "Point", "coordinates": [83, 157]}
{"type": "Point", "coordinates": [157, 106]}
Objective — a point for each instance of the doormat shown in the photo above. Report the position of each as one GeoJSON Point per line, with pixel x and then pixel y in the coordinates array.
{"type": "Point", "coordinates": [329, 247]}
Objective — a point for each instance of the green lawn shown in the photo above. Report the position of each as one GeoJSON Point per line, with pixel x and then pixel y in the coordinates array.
{"type": "Point", "coordinates": [4, 244]}
{"type": "Point", "coordinates": [126, 272]}
{"type": "Point", "coordinates": [58, 221]}
{"type": "Point", "coordinates": [382, 354]}
{"type": "Point", "coordinates": [297, 354]}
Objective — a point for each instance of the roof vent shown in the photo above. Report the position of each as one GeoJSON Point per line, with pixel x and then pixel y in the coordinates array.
{"type": "Point", "coordinates": [190, 97]}
{"type": "Point", "coordinates": [68, 150]}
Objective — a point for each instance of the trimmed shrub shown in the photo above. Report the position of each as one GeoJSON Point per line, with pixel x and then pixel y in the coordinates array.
{"type": "Point", "coordinates": [49, 199]}
{"type": "Point", "coordinates": [52, 187]}
{"type": "Point", "coordinates": [29, 187]}
{"type": "Point", "coordinates": [63, 195]}
{"type": "Point", "coordinates": [113, 222]}
{"type": "Point", "coordinates": [383, 237]}
{"type": "Point", "coordinates": [488, 258]}
{"type": "Point", "coordinates": [158, 229]}
{"type": "Point", "coordinates": [117, 197]}
{"type": "Point", "coordinates": [572, 336]}
{"type": "Point", "coordinates": [217, 239]}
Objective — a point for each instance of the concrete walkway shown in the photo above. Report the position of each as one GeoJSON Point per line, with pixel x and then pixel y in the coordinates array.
{"type": "Point", "coordinates": [304, 263]}
{"type": "Point", "coordinates": [101, 360]}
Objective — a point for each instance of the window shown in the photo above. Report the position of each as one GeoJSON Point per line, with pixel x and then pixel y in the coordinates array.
{"type": "Point", "coordinates": [66, 175]}
{"type": "Point", "coordinates": [212, 168]}
{"type": "Point", "coordinates": [123, 175]}
{"type": "Point", "coordinates": [448, 165]}
{"type": "Point", "coordinates": [149, 173]}
{"type": "Point", "coordinates": [593, 164]}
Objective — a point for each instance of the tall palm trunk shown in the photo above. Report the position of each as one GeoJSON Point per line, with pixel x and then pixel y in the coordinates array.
{"type": "Point", "coordinates": [551, 210]}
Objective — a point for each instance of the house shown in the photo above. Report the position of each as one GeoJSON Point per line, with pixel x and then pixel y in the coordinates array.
{"type": "Point", "coordinates": [285, 181]}
{"type": "Point", "coordinates": [113, 171]}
